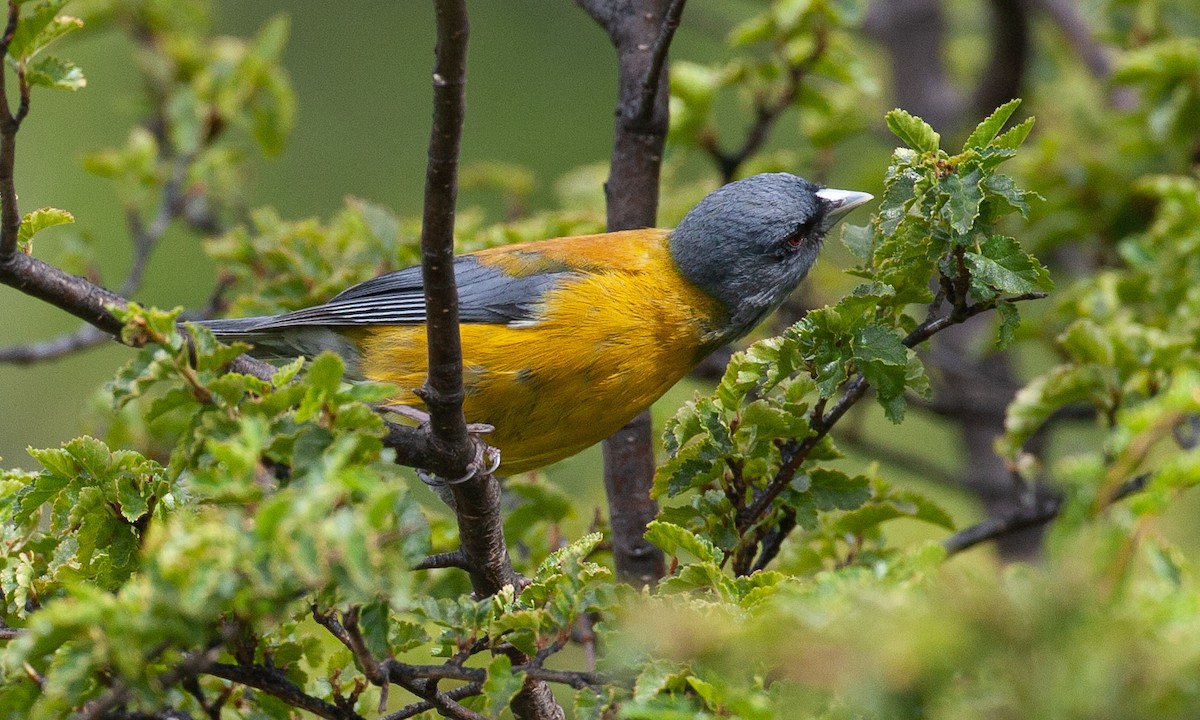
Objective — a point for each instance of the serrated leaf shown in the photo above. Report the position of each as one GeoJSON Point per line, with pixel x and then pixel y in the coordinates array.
{"type": "Point", "coordinates": [36, 18]}
{"type": "Point", "coordinates": [986, 131]}
{"type": "Point", "coordinates": [672, 538]}
{"type": "Point", "coordinates": [964, 196]}
{"type": "Point", "coordinates": [40, 219]}
{"type": "Point", "coordinates": [878, 344]}
{"type": "Point", "coordinates": [915, 132]}
{"type": "Point", "coordinates": [835, 490]}
{"type": "Point", "coordinates": [53, 72]}
{"type": "Point", "coordinates": [1015, 137]}
{"type": "Point", "coordinates": [1003, 265]}
{"type": "Point", "coordinates": [502, 685]}
{"type": "Point", "coordinates": [1010, 320]}
{"type": "Point", "coordinates": [859, 240]}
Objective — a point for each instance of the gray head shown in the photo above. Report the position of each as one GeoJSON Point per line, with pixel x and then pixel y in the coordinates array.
{"type": "Point", "coordinates": [751, 242]}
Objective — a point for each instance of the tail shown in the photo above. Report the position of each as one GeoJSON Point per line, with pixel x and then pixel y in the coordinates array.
{"type": "Point", "coordinates": [270, 342]}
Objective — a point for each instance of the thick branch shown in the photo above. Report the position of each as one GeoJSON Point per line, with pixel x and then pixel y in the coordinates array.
{"type": "Point", "coordinates": [641, 31]}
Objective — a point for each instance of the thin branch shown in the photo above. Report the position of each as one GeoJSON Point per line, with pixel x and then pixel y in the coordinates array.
{"type": "Point", "coordinates": [10, 217]}
{"type": "Point", "coordinates": [446, 705]}
{"type": "Point", "coordinates": [443, 391]}
{"type": "Point", "coordinates": [1036, 513]}
{"type": "Point", "coordinates": [274, 683]}
{"type": "Point", "coordinates": [795, 452]}
{"type": "Point", "coordinates": [452, 559]}
{"type": "Point", "coordinates": [348, 633]}
{"type": "Point", "coordinates": [458, 693]}
{"type": "Point", "coordinates": [658, 59]}
{"type": "Point", "coordinates": [397, 671]}
{"type": "Point", "coordinates": [766, 114]}
{"type": "Point", "coordinates": [83, 338]}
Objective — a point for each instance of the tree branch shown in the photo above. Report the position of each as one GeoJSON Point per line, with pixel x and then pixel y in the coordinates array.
{"type": "Point", "coordinates": [641, 33]}
{"type": "Point", "coordinates": [658, 59]}
{"type": "Point", "coordinates": [443, 390]}
{"type": "Point", "coordinates": [458, 693]}
{"type": "Point", "coordinates": [274, 683]}
{"type": "Point", "coordinates": [1039, 512]}
{"type": "Point", "coordinates": [794, 452]}
{"type": "Point", "coordinates": [10, 217]}
{"type": "Point", "coordinates": [765, 116]}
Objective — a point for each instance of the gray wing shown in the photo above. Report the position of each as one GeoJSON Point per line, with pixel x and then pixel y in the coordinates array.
{"type": "Point", "coordinates": [486, 295]}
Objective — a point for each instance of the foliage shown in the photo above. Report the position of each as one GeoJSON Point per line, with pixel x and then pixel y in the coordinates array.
{"type": "Point", "coordinates": [238, 547]}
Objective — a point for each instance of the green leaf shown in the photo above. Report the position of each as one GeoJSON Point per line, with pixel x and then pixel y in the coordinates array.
{"type": "Point", "coordinates": [835, 490]}
{"type": "Point", "coordinates": [1015, 137]}
{"type": "Point", "coordinates": [1010, 320]}
{"type": "Point", "coordinates": [964, 196]}
{"type": "Point", "coordinates": [878, 344]}
{"type": "Point", "coordinates": [858, 240]}
{"type": "Point", "coordinates": [52, 72]}
{"type": "Point", "coordinates": [37, 221]}
{"type": "Point", "coordinates": [672, 538]}
{"type": "Point", "coordinates": [1003, 265]}
{"type": "Point", "coordinates": [36, 18]}
{"type": "Point", "coordinates": [915, 132]}
{"type": "Point", "coordinates": [986, 131]}
{"type": "Point", "coordinates": [501, 686]}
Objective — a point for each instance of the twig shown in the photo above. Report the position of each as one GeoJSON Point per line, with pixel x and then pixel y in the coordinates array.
{"type": "Point", "coordinates": [274, 683]}
{"type": "Point", "coordinates": [795, 452]}
{"type": "Point", "coordinates": [397, 670]}
{"type": "Point", "coordinates": [443, 390]}
{"type": "Point", "coordinates": [1037, 513]}
{"type": "Point", "coordinates": [10, 217]}
{"type": "Point", "coordinates": [82, 338]}
{"type": "Point", "coordinates": [452, 559]}
{"type": "Point", "coordinates": [458, 693]}
{"type": "Point", "coordinates": [765, 115]}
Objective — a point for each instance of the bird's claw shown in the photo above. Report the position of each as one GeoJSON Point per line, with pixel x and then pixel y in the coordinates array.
{"type": "Point", "coordinates": [487, 460]}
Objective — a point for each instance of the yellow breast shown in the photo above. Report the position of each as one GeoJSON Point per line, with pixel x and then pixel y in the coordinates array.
{"type": "Point", "coordinates": [602, 348]}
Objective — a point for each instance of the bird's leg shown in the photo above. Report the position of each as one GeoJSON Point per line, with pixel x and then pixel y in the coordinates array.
{"type": "Point", "coordinates": [487, 458]}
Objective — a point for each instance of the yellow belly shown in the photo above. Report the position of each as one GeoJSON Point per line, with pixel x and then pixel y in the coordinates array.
{"type": "Point", "coordinates": [608, 346]}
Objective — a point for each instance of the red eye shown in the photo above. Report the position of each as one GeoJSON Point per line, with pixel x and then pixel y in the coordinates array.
{"type": "Point", "coordinates": [795, 240]}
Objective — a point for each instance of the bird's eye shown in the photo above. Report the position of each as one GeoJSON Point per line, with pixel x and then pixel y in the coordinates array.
{"type": "Point", "coordinates": [802, 232]}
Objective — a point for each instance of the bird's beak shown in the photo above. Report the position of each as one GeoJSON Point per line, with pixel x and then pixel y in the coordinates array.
{"type": "Point", "coordinates": [840, 202]}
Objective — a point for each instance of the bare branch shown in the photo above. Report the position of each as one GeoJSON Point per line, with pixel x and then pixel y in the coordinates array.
{"type": "Point", "coordinates": [274, 683]}
{"type": "Point", "coordinates": [10, 217]}
{"type": "Point", "coordinates": [83, 338]}
{"type": "Point", "coordinates": [443, 391]}
{"type": "Point", "coordinates": [1039, 512]}
{"type": "Point", "coordinates": [658, 59]}
{"type": "Point", "coordinates": [640, 32]}
{"type": "Point", "coordinates": [453, 559]}
{"type": "Point", "coordinates": [458, 693]}
{"type": "Point", "coordinates": [766, 113]}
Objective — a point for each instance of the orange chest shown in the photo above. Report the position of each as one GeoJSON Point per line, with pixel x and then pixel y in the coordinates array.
{"type": "Point", "coordinates": [603, 346]}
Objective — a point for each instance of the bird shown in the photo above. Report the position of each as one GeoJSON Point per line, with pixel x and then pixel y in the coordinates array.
{"type": "Point", "coordinates": [565, 340]}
